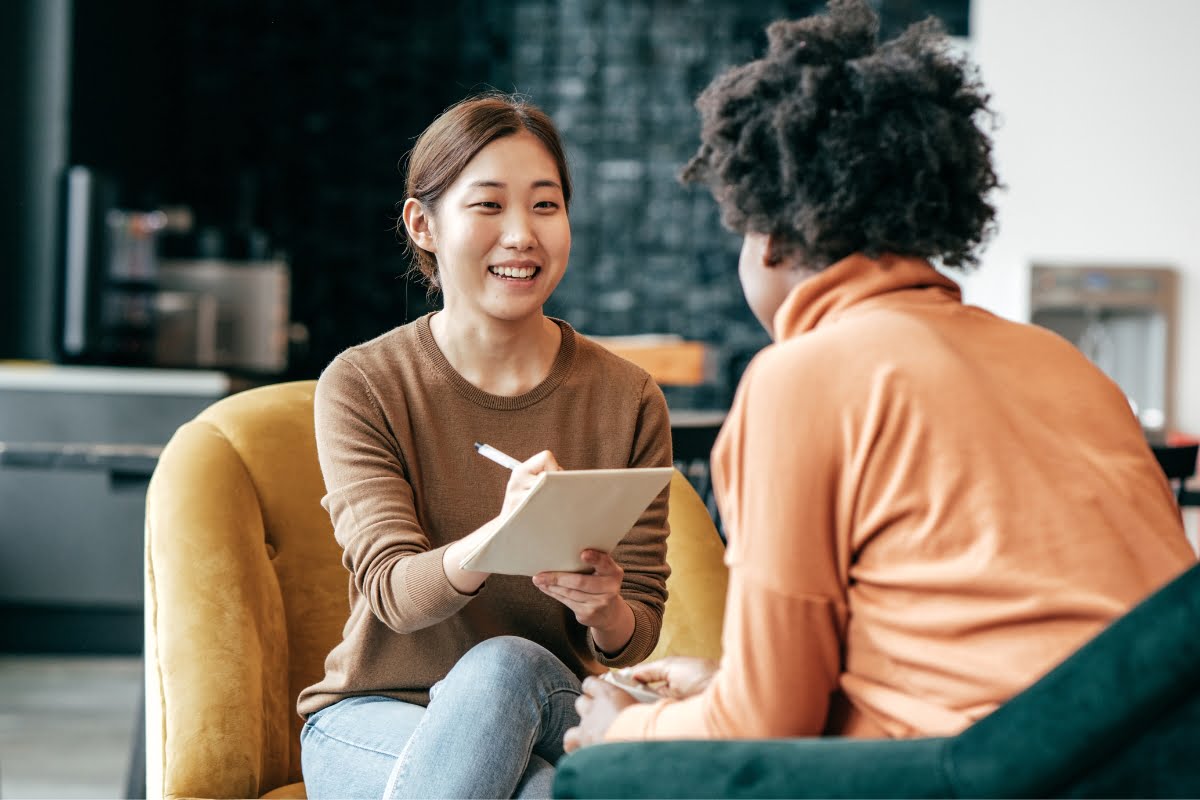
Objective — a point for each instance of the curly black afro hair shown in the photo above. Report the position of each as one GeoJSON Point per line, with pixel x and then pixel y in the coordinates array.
{"type": "Point", "coordinates": [836, 144]}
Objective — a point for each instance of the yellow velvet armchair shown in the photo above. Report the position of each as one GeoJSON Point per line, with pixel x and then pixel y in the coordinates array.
{"type": "Point", "coordinates": [246, 593]}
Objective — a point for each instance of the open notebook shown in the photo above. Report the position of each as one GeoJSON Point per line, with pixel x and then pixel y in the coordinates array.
{"type": "Point", "coordinates": [565, 513]}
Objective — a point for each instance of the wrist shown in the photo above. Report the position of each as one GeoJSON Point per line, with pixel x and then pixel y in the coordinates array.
{"type": "Point", "coordinates": [463, 581]}
{"type": "Point", "coordinates": [611, 635]}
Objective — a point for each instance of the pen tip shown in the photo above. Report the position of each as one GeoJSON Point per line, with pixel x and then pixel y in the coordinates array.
{"type": "Point", "coordinates": [478, 445]}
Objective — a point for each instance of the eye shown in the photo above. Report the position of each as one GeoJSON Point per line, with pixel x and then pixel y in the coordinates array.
{"type": "Point", "coordinates": [546, 204]}
{"type": "Point", "coordinates": [489, 205]}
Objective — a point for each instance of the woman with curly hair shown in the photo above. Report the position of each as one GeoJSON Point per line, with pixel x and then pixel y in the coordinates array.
{"type": "Point", "coordinates": [927, 506]}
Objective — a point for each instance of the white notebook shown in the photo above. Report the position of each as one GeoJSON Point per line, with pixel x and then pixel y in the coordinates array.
{"type": "Point", "coordinates": [564, 514]}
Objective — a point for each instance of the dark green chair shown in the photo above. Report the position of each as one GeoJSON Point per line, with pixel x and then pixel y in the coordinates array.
{"type": "Point", "coordinates": [1119, 718]}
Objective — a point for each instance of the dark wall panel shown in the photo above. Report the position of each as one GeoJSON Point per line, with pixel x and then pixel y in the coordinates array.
{"type": "Point", "coordinates": [293, 117]}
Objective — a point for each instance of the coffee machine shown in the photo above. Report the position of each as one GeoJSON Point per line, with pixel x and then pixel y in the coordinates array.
{"type": "Point", "coordinates": [123, 301]}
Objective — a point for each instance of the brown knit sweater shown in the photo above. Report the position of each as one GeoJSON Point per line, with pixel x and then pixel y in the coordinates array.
{"type": "Point", "coordinates": [395, 428]}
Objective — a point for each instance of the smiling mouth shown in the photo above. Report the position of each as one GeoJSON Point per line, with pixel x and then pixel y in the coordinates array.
{"type": "Point", "coordinates": [515, 273]}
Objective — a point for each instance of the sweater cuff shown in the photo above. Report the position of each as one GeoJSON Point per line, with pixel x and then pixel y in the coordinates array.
{"type": "Point", "coordinates": [640, 644]}
{"type": "Point", "coordinates": [423, 580]}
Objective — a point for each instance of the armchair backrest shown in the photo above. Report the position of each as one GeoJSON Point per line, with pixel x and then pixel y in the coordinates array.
{"type": "Point", "coordinates": [245, 595]}
{"type": "Point", "coordinates": [1135, 676]}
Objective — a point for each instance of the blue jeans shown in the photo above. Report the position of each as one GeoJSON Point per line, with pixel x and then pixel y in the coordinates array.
{"type": "Point", "coordinates": [493, 728]}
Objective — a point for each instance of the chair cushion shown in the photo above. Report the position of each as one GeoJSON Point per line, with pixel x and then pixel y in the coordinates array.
{"type": "Point", "coordinates": [293, 791]}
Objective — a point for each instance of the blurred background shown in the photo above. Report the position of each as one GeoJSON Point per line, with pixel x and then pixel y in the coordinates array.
{"type": "Point", "coordinates": [200, 196]}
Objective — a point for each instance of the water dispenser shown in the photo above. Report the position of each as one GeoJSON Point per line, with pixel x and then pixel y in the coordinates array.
{"type": "Point", "coordinates": [1124, 320]}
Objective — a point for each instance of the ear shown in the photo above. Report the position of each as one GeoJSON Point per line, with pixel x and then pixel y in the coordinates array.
{"type": "Point", "coordinates": [419, 224]}
{"type": "Point", "coordinates": [772, 254]}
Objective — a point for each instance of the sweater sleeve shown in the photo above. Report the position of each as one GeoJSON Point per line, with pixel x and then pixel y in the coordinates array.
{"type": "Point", "coordinates": [775, 467]}
{"type": "Point", "coordinates": [370, 502]}
{"type": "Point", "coordinates": [643, 552]}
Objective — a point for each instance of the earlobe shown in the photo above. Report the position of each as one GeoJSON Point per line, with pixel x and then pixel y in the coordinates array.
{"type": "Point", "coordinates": [417, 223]}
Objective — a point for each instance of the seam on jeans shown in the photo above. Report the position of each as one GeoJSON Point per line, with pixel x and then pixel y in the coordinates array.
{"type": "Point", "coordinates": [353, 744]}
{"type": "Point", "coordinates": [389, 788]}
{"type": "Point", "coordinates": [544, 721]}
{"type": "Point", "coordinates": [550, 696]}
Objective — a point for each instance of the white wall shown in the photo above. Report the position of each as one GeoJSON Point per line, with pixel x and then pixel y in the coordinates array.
{"type": "Point", "coordinates": [1099, 146]}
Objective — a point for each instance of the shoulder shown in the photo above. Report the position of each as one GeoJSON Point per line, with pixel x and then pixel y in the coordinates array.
{"type": "Point", "coordinates": [385, 355]}
{"type": "Point", "coordinates": [595, 363]}
{"type": "Point", "coordinates": [372, 368]}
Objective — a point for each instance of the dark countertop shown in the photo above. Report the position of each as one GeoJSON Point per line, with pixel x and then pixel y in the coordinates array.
{"type": "Point", "coordinates": [130, 459]}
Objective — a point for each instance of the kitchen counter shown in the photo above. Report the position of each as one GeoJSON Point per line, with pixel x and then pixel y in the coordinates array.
{"type": "Point", "coordinates": [128, 459]}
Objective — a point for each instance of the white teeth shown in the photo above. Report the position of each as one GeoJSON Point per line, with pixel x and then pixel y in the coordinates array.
{"type": "Point", "coordinates": [514, 272]}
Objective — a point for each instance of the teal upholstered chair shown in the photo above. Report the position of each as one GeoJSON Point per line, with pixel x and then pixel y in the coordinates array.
{"type": "Point", "coordinates": [1119, 718]}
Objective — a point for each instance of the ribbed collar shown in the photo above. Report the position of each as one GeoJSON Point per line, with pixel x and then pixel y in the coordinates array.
{"type": "Point", "coordinates": [850, 282]}
{"type": "Point", "coordinates": [437, 360]}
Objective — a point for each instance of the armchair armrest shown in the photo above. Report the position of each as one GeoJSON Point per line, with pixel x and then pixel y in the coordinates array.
{"type": "Point", "coordinates": [817, 767]}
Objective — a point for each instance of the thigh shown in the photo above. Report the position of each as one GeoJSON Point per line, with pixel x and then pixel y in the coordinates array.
{"type": "Point", "coordinates": [348, 749]}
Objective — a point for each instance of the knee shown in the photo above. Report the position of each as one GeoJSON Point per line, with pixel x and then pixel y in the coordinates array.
{"type": "Point", "coordinates": [505, 661]}
{"type": "Point", "coordinates": [506, 653]}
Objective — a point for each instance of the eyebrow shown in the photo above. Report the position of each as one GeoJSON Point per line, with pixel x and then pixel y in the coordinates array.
{"type": "Point", "coordinates": [502, 184]}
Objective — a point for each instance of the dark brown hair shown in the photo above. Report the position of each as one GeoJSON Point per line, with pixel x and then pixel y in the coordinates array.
{"type": "Point", "coordinates": [836, 144]}
{"type": "Point", "coordinates": [455, 137]}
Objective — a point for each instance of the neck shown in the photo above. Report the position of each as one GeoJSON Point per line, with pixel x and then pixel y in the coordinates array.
{"type": "Point", "coordinates": [505, 358]}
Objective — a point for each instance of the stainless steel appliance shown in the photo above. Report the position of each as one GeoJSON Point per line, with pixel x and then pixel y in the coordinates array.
{"type": "Point", "coordinates": [122, 303]}
{"type": "Point", "coordinates": [1124, 320]}
{"type": "Point", "coordinates": [223, 314]}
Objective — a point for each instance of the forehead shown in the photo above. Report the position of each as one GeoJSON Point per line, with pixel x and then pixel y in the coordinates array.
{"type": "Point", "coordinates": [517, 160]}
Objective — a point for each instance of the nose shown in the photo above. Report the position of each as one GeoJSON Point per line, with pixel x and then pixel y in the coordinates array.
{"type": "Point", "coordinates": [518, 232]}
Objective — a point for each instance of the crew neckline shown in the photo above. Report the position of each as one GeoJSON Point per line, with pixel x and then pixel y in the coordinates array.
{"type": "Point", "coordinates": [559, 369]}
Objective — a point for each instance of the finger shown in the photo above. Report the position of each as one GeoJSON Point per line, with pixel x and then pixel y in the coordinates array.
{"type": "Point", "coordinates": [572, 739]}
{"type": "Point", "coordinates": [539, 463]}
{"type": "Point", "coordinates": [649, 672]}
{"type": "Point", "coordinates": [583, 704]}
{"type": "Point", "coordinates": [598, 689]}
{"type": "Point", "coordinates": [592, 584]}
{"type": "Point", "coordinates": [601, 562]}
{"type": "Point", "coordinates": [574, 598]}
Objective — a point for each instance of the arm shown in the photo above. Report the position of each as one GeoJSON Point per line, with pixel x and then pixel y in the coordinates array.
{"type": "Point", "coordinates": [370, 502]}
{"type": "Point", "coordinates": [785, 613]}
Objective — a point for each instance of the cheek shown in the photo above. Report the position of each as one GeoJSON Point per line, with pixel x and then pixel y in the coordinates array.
{"type": "Point", "coordinates": [557, 237]}
{"type": "Point", "coordinates": [466, 232]}
{"type": "Point", "coordinates": [749, 274]}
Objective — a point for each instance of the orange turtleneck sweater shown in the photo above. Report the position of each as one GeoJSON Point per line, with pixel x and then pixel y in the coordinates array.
{"type": "Point", "coordinates": [928, 507]}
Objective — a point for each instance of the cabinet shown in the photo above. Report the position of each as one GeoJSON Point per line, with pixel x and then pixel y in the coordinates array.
{"type": "Point", "coordinates": [71, 528]}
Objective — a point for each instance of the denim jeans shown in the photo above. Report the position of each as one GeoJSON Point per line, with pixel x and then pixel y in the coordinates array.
{"type": "Point", "coordinates": [493, 728]}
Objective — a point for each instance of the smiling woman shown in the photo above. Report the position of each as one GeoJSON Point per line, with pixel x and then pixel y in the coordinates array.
{"type": "Point", "coordinates": [499, 238]}
{"type": "Point", "coordinates": [444, 686]}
